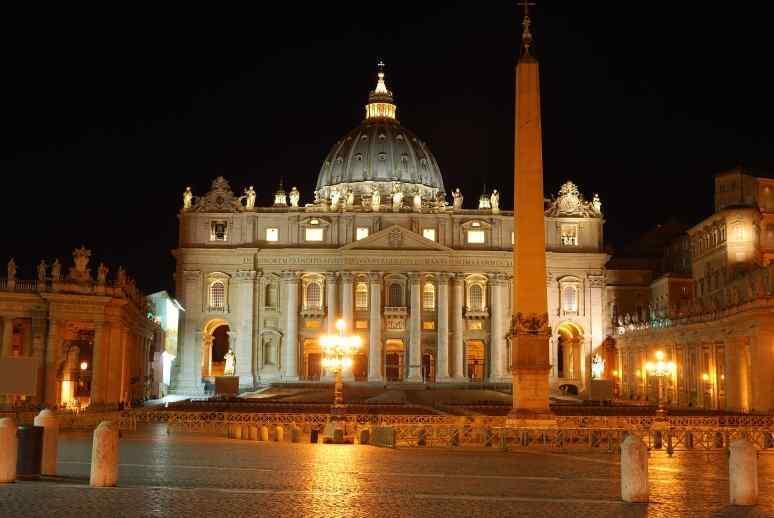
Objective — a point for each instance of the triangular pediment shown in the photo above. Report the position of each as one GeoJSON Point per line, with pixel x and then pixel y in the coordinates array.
{"type": "Point", "coordinates": [395, 237]}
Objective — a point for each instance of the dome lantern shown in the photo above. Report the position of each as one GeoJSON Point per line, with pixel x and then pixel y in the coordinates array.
{"type": "Point", "coordinates": [380, 103]}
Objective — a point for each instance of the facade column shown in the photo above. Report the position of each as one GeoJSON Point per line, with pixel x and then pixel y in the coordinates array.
{"type": "Point", "coordinates": [187, 378]}
{"type": "Point", "coordinates": [51, 391]}
{"type": "Point", "coordinates": [415, 329]}
{"type": "Point", "coordinates": [242, 345]}
{"type": "Point", "coordinates": [99, 364]}
{"type": "Point", "coordinates": [6, 346]}
{"type": "Point", "coordinates": [375, 327]}
{"type": "Point", "coordinates": [458, 328]}
{"type": "Point", "coordinates": [497, 328]}
{"type": "Point", "coordinates": [761, 373]}
{"type": "Point", "coordinates": [290, 367]}
{"type": "Point", "coordinates": [346, 298]}
{"type": "Point", "coordinates": [331, 302]}
{"type": "Point", "coordinates": [442, 339]}
{"type": "Point", "coordinates": [38, 352]}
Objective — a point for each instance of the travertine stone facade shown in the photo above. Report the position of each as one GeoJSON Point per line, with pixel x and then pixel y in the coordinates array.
{"type": "Point", "coordinates": [92, 338]}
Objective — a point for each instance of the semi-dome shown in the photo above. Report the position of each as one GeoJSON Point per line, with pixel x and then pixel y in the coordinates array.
{"type": "Point", "coordinates": [380, 154]}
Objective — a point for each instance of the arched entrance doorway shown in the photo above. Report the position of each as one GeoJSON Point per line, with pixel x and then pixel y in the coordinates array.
{"type": "Point", "coordinates": [393, 359]}
{"type": "Point", "coordinates": [215, 345]}
{"type": "Point", "coordinates": [568, 351]}
{"type": "Point", "coordinates": [474, 360]}
{"type": "Point", "coordinates": [312, 360]}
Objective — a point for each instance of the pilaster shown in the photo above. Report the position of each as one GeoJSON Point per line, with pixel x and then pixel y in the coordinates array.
{"type": "Point", "coordinates": [375, 327]}
{"type": "Point", "coordinates": [442, 339]}
{"type": "Point", "coordinates": [458, 329]}
{"type": "Point", "coordinates": [290, 342]}
{"type": "Point", "coordinates": [415, 330]}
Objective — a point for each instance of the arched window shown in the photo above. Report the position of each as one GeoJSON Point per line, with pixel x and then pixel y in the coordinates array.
{"type": "Point", "coordinates": [428, 296]}
{"type": "Point", "coordinates": [476, 296]}
{"type": "Point", "coordinates": [313, 296]}
{"type": "Point", "coordinates": [396, 295]}
{"type": "Point", "coordinates": [217, 295]}
{"type": "Point", "coordinates": [570, 299]}
{"type": "Point", "coordinates": [271, 296]}
{"type": "Point", "coordinates": [361, 295]}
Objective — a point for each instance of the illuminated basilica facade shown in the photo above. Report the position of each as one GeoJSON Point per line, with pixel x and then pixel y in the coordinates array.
{"type": "Point", "coordinates": [426, 284]}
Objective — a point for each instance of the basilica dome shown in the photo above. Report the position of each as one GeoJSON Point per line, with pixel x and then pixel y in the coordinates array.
{"type": "Point", "coordinates": [380, 154]}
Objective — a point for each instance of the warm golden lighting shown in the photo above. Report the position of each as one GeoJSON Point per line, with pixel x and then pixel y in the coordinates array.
{"type": "Point", "coordinates": [659, 355]}
{"type": "Point", "coordinates": [340, 324]}
{"type": "Point", "coordinates": [705, 377]}
{"type": "Point", "coordinates": [337, 355]}
{"type": "Point", "coordinates": [84, 366]}
{"type": "Point", "coordinates": [615, 373]}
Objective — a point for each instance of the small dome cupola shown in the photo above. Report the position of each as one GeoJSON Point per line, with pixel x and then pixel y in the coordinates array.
{"type": "Point", "coordinates": [380, 103]}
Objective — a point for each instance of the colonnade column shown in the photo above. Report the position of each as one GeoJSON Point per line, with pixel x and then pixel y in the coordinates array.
{"type": "Point", "coordinates": [415, 329]}
{"type": "Point", "coordinates": [458, 328]}
{"type": "Point", "coordinates": [330, 302]}
{"type": "Point", "coordinates": [497, 331]}
{"type": "Point", "coordinates": [243, 324]}
{"type": "Point", "coordinates": [99, 358]}
{"type": "Point", "coordinates": [290, 368]}
{"type": "Point", "coordinates": [6, 345]}
{"type": "Point", "coordinates": [442, 340]}
{"type": "Point", "coordinates": [38, 352]}
{"type": "Point", "coordinates": [51, 392]}
{"type": "Point", "coordinates": [375, 327]}
{"type": "Point", "coordinates": [346, 298]}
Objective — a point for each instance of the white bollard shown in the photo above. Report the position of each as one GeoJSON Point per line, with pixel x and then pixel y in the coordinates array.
{"type": "Point", "coordinates": [295, 434]}
{"type": "Point", "coordinates": [253, 433]}
{"type": "Point", "coordinates": [50, 423]}
{"type": "Point", "coordinates": [280, 434]}
{"type": "Point", "coordinates": [237, 431]}
{"type": "Point", "coordinates": [8, 450]}
{"type": "Point", "coordinates": [264, 433]}
{"type": "Point", "coordinates": [104, 455]}
{"type": "Point", "coordinates": [743, 473]}
{"type": "Point", "coordinates": [634, 470]}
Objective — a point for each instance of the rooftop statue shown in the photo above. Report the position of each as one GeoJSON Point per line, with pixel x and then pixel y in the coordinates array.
{"type": "Point", "coordinates": [102, 272]}
{"type": "Point", "coordinates": [11, 269]}
{"type": "Point", "coordinates": [335, 195]}
{"type": "Point", "coordinates": [494, 201]}
{"type": "Point", "coordinates": [350, 198]}
{"type": "Point", "coordinates": [570, 202]}
{"type": "Point", "coordinates": [596, 204]}
{"type": "Point", "coordinates": [250, 197]}
{"type": "Point", "coordinates": [295, 196]}
{"type": "Point", "coordinates": [457, 197]}
{"type": "Point", "coordinates": [397, 197]}
{"type": "Point", "coordinates": [417, 203]}
{"type": "Point", "coordinates": [56, 270]}
{"type": "Point", "coordinates": [80, 272]}
{"type": "Point", "coordinates": [42, 270]}
{"type": "Point", "coordinates": [187, 198]}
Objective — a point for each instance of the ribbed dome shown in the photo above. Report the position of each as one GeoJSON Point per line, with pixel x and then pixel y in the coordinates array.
{"type": "Point", "coordinates": [379, 152]}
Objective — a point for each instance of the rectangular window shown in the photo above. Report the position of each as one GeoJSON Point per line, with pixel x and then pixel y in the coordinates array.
{"type": "Point", "coordinates": [428, 325]}
{"type": "Point", "coordinates": [428, 233]}
{"type": "Point", "coordinates": [569, 235]}
{"type": "Point", "coordinates": [476, 236]}
{"type": "Point", "coordinates": [475, 325]}
{"type": "Point", "coordinates": [272, 234]}
{"type": "Point", "coordinates": [313, 324]}
{"type": "Point", "coordinates": [361, 233]}
{"type": "Point", "coordinates": [361, 324]}
{"type": "Point", "coordinates": [314, 234]}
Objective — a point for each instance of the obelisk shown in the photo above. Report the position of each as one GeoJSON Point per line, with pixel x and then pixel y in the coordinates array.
{"type": "Point", "coordinates": [529, 328]}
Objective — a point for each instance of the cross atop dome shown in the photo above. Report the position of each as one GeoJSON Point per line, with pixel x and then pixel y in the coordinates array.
{"type": "Point", "coordinates": [380, 102]}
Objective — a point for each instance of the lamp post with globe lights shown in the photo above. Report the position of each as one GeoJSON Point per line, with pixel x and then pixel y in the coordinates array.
{"type": "Point", "coordinates": [337, 355]}
{"type": "Point", "coordinates": [660, 369]}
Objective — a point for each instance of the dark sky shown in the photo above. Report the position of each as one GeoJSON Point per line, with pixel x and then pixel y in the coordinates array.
{"type": "Point", "coordinates": [109, 114]}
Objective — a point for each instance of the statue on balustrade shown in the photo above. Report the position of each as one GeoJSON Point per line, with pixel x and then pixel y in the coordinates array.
{"type": "Point", "coordinates": [249, 198]}
{"type": "Point", "coordinates": [295, 196]}
{"type": "Point", "coordinates": [102, 272]}
{"type": "Point", "coordinates": [42, 270]}
{"type": "Point", "coordinates": [187, 198]}
{"type": "Point", "coordinates": [376, 199]}
{"type": "Point", "coordinates": [56, 270]}
{"type": "Point", "coordinates": [494, 200]}
{"type": "Point", "coordinates": [457, 196]}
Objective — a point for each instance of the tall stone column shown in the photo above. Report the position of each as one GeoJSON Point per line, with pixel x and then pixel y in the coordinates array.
{"type": "Point", "coordinates": [6, 346]}
{"type": "Point", "coordinates": [99, 363]}
{"type": "Point", "coordinates": [39, 352]}
{"type": "Point", "coordinates": [330, 302]}
{"type": "Point", "coordinates": [497, 328]}
{"type": "Point", "coordinates": [442, 339]}
{"type": "Point", "coordinates": [415, 329]}
{"type": "Point", "coordinates": [242, 309]}
{"type": "Point", "coordinates": [530, 330]}
{"type": "Point", "coordinates": [346, 298]}
{"type": "Point", "coordinates": [375, 327]}
{"type": "Point", "coordinates": [51, 393]}
{"type": "Point", "coordinates": [290, 367]}
{"type": "Point", "coordinates": [458, 328]}
{"type": "Point", "coordinates": [188, 364]}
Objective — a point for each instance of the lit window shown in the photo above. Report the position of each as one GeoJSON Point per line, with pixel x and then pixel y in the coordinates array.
{"type": "Point", "coordinates": [476, 236]}
{"type": "Point", "coordinates": [475, 325]}
{"type": "Point", "coordinates": [569, 235]}
{"type": "Point", "coordinates": [272, 234]}
{"type": "Point", "coordinates": [476, 295]}
{"type": "Point", "coordinates": [361, 233]}
{"type": "Point", "coordinates": [313, 324]}
{"type": "Point", "coordinates": [428, 325]}
{"type": "Point", "coordinates": [313, 296]}
{"type": "Point", "coordinates": [217, 296]}
{"type": "Point", "coordinates": [361, 324]}
{"type": "Point", "coordinates": [361, 295]}
{"type": "Point", "coordinates": [314, 234]}
{"type": "Point", "coordinates": [428, 297]}
{"type": "Point", "coordinates": [570, 299]}
{"type": "Point", "coordinates": [218, 231]}
{"type": "Point", "coordinates": [513, 238]}
{"type": "Point", "coordinates": [428, 233]}
{"type": "Point", "coordinates": [396, 295]}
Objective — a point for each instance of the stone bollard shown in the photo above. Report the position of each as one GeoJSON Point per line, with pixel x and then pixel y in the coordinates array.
{"type": "Point", "coordinates": [264, 433]}
{"type": "Point", "coordinates": [104, 455]}
{"type": "Point", "coordinates": [253, 433]}
{"type": "Point", "coordinates": [743, 473]}
{"type": "Point", "coordinates": [280, 434]}
{"type": "Point", "coordinates": [237, 431]}
{"type": "Point", "coordinates": [634, 470]}
{"type": "Point", "coordinates": [50, 423]}
{"type": "Point", "coordinates": [295, 434]}
{"type": "Point", "coordinates": [8, 450]}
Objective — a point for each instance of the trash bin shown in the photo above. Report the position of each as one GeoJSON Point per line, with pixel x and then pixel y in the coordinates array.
{"type": "Point", "coordinates": [30, 452]}
{"type": "Point", "coordinates": [314, 435]}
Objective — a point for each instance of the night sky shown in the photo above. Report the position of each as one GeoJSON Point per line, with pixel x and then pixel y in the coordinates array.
{"type": "Point", "coordinates": [109, 114]}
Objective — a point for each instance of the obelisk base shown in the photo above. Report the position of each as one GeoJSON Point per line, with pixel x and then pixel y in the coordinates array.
{"type": "Point", "coordinates": [530, 399]}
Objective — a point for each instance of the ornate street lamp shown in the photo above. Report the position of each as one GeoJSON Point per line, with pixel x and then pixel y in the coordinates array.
{"type": "Point", "coordinates": [338, 351]}
{"type": "Point", "coordinates": [660, 370]}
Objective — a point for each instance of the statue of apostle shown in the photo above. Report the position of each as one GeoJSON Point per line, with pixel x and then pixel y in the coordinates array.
{"type": "Point", "coordinates": [230, 358]}
{"type": "Point", "coordinates": [250, 197]}
{"type": "Point", "coordinates": [295, 196]}
{"type": "Point", "coordinates": [457, 196]}
{"type": "Point", "coordinates": [187, 198]}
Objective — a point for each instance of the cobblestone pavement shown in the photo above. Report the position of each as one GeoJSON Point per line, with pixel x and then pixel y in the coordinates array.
{"type": "Point", "coordinates": [192, 475]}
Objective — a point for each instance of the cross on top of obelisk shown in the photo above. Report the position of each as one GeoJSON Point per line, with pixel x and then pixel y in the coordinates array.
{"type": "Point", "coordinates": [526, 34]}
